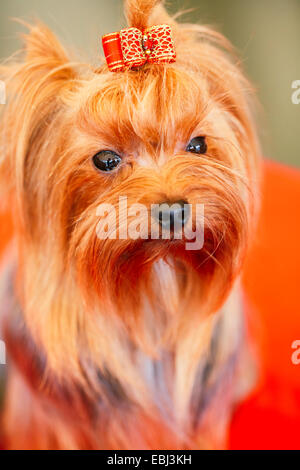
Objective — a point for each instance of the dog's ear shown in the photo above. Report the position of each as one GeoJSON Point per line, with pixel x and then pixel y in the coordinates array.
{"type": "Point", "coordinates": [41, 44]}
{"type": "Point", "coordinates": [36, 83]}
{"type": "Point", "coordinates": [43, 59]}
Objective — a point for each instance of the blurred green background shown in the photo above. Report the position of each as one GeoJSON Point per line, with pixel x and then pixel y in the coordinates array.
{"type": "Point", "coordinates": [265, 32]}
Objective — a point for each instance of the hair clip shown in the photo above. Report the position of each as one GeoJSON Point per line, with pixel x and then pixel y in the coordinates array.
{"type": "Point", "coordinates": [131, 48]}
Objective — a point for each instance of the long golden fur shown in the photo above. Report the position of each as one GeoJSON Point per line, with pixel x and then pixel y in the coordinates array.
{"type": "Point", "coordinates": [110, 338]}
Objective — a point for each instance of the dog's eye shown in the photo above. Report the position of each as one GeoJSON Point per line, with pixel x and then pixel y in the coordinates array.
{"type": "Point", "coordinates": [107, 160]}
{"type": "Point", "coordinates": [197, 145]}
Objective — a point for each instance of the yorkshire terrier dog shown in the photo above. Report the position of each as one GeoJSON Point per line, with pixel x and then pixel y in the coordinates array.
{"type": "Point", "coordinates": [126, 342]}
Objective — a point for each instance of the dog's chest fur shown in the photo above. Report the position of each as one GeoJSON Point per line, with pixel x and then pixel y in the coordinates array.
{"type": "Point", "coordinates": [213, 392]}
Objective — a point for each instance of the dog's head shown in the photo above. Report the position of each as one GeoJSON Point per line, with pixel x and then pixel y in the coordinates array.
{"type": "Point", "coordinates": [75, 138]}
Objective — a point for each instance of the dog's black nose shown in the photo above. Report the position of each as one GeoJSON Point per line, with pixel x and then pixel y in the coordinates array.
{"type": "Point", "coordinates": [172, 215]}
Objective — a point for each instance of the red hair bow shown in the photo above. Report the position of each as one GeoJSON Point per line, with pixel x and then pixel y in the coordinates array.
{"type": "Point", "coordinates": [131, 47]}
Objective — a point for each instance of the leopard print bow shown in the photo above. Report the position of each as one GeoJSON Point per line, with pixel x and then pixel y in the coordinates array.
{"type": "Point", "coordinates": [132, 48]}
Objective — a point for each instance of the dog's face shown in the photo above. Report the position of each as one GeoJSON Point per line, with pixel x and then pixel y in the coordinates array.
{"type": "Point", "coordinates": [169, 140]}
{"type": "Point", "coordinates": [152, 136]}
{"type": "Point", "coordinates": [79, 138]}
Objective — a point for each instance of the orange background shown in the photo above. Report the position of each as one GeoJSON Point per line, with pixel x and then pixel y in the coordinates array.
{"type": "Point", "coordinates": [270, 418]}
